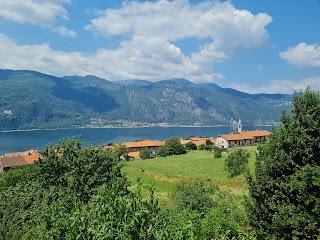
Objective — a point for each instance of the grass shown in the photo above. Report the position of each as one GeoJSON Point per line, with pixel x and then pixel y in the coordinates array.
{"type": "Point", "coordinates": [163, 174]}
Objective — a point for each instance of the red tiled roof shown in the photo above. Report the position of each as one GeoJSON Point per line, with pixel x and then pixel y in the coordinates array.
{"type": "Point", "coordinates": [197, 141]}
{"type": "Point", "coordinates": [31, 158]}
{"type": "Point", "coordinates": [246, 135]}
{"type": "Point", "coordinates": [144, 143]}
{"type": "Point", "coordinates": [12, 161]}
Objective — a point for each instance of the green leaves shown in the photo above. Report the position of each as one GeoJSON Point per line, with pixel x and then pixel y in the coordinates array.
{"type": "Point", "coordinates": [237, 162]}
{"type": "Point", "coordinates": [172, 146]}
{"type": "Point", "coordinates": [286, 190]}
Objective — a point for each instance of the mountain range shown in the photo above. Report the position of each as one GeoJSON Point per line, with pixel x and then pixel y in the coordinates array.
{"type": "Point", "coordinates": [30, 99]}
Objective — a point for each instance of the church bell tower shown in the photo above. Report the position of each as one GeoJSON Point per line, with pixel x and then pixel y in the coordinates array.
{"type": "Point", "coordinates": [239, 126]}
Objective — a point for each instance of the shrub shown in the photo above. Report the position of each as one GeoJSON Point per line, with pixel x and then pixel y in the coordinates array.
{"type": "Point", "coordinates": [237, 162]}
{"type": "Point", "coordinates": [191, 146]}
{"type": "Point", "coordinates": [144, 153]}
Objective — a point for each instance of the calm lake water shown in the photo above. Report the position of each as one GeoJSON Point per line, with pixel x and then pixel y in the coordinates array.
{"type": "Point", "coordinates": [38, 139]}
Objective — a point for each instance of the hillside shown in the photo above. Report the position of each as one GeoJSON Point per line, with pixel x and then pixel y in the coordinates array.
{"type": "Point", "coordinates": [35, 100]}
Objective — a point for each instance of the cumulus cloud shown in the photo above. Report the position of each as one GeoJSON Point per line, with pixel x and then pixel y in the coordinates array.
{"type": "Point", "coordinates": [281, 86]}
{"type": "Point", "coordinates": [153, 28]}
{"type": "Point", "coordinates": [42, 13]}
{"type": "Point", "coordinates": [150, 50]}
{"type": "Point", "coordinates": [64, 31]}
{"type": "Point", "coordinates": [303, 55]}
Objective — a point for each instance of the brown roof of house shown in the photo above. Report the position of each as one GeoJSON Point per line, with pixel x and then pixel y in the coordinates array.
{"type": "Point", "coordinates": [197, 141]}
{"type": "Point", "coordinates": [12, 161]}
{"type": "Point", "coordinates": [32, 151]}
{"type": "Point", "coordinates": [19, 158]}
{"type": "Point", "coordinates": [246, 135]}
{"type": "Point", "coordinates": [144, 143]}
{"type": "Point", "coordinates": [31, 158]}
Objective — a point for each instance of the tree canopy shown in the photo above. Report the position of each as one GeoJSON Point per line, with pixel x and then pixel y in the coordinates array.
{"type": "Point", "coordinates": [237, 162]}
{"type": "Point", "coordinates": [285, 191]}
{"type": "Point", "coordinates": [172, 146]}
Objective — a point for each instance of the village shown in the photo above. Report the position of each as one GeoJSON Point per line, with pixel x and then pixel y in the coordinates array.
{"type": "Point", "coordinates": [236, 139]}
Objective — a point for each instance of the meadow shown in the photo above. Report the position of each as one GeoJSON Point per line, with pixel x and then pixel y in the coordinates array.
{"type": "Point", "coordinates": [163, 174]}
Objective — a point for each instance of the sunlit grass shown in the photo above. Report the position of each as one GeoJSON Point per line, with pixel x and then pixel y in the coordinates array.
{"type": "Point", "coordinates": [163, 174]}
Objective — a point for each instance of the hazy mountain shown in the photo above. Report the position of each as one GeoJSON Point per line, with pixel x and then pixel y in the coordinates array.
{"type": "Point", "coordinates": [38, 100]}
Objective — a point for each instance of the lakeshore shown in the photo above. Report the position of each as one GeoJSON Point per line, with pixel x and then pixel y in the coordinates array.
{"type": "Point", "coordinates": [16, 141]}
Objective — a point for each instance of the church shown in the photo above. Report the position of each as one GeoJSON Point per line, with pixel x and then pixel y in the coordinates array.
{"type": "Point", "coordinates": [241, 138]}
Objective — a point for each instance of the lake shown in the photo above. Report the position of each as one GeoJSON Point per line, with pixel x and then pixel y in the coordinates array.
{"type": "Point", "coordinates": [17, 141]}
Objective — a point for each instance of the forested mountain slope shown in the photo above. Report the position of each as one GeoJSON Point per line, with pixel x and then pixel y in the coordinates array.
{"type": "Point", "coordinates": [31, 99]}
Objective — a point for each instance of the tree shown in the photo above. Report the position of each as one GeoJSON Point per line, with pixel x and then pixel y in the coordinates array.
{"type": "Point", "coordinates": [237, 162]}
{"type": "Point", "coordinates": [144, 153]}
{"type": "Point", "coordinates": [217, 152]}
{"type": "Point", "coordinates": [285, 193]}
{"type": "Point", "coordinates": [172, 146]}
{"type": "Point", "coordinates": [120, 150]}
{"type": "Point", "coordinates": [191, 146]}
{"type": "Point", "coordinates": [208, 142]}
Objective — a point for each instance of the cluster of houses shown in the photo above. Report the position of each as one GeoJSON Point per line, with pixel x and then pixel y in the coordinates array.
{"type": "Point", "coordinates": [236, 139]}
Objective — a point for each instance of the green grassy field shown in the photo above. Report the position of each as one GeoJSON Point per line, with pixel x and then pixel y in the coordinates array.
{"type": "Point", "coordinates": [163, 174]}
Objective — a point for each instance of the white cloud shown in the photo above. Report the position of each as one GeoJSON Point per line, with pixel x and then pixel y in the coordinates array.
{"type": "Point", "coordinates": [64, 31]}
{"type": "Point", "coordinates": [153, 27]}
{"type": "Point", "coordinates": [281, 86]}
{"type": "Point", "coordinates": [42, 13]}
{"type": "Point", "coordinates": [303, 55]}
{"type": "Point", "coordinates": [149, 53]}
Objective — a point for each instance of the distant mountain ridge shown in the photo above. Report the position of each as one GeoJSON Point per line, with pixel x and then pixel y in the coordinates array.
{"type": "Point", "coordinates": [39, 100]}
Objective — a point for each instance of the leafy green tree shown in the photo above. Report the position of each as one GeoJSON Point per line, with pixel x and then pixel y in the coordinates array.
{"type": "Point", "coordinates": [285, 192]}
{"type": "Point", "coordinates": [144, 153]}
{"type": "Point", "coordinates": [172, 146]}
{"type": "Point", "coordinates": [66, 177]}
{"type": "Point", "coordinates": [217, 152]}
{"type": "Point", "coordinates": [208, 142]}
{"type": "Point", "coordinates": [237, 162]}
{"type": "Point", "coordinates": [191, 146]}
{"type": "Point", "coordinates": [121, 151]}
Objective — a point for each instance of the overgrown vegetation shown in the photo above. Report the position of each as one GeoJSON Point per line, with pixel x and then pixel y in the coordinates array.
{"type": "Point", "coordinates": [285, 193]}
{"type": "Point", "coordinates": [237, 162]}
{"type": "Point", "coordinates": [81, 193]}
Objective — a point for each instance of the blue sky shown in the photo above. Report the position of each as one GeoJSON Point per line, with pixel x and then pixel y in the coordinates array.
{"type": "Point", "coordinates": [253, 46]}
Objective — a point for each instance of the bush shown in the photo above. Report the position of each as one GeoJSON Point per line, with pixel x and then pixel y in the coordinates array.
{"type": "Point", "coordinates": [237, 162]}
{"type": "Point", "coordinates": [172, 146]}
{"type": "Point", "coordinates": [144, 153]}
{"type": "Point", "coordinates": [217, 152]}
{"type": "Point", "coordinates": [191, 146]}
{"type": "Point", "coordinates": [194, 197]}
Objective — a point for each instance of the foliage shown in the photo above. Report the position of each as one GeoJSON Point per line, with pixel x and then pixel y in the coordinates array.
{"type": "Point", "coordinates": [144, 153]}
{"type": "Point", "coordinates": [121, 151]}
{"type": "Point", "coordinates": [66, 178]}
{"type": "Point", "coordinates": [194, 197]}
{"type": "Point", "coordinates": [112, 216]}
{"type": "Point", "coordinates": [80, 193]}
{"type": "Point", "coordinates": [208, 142]}
{"type": "Point", "coordinates": [217, 152]}
{"type": "Point", "coordinates": [209, 212]}
{"type": "Point", "coordinates": [172, 146]}
{"type": "Point", "coordinates": [285, 193]}
{"type": "Point", "coordinates": [237, 162]}
{"type": "Point", "coordinates": [205, 147]}
{"type": "Point", "coordinates": [191, 146]}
